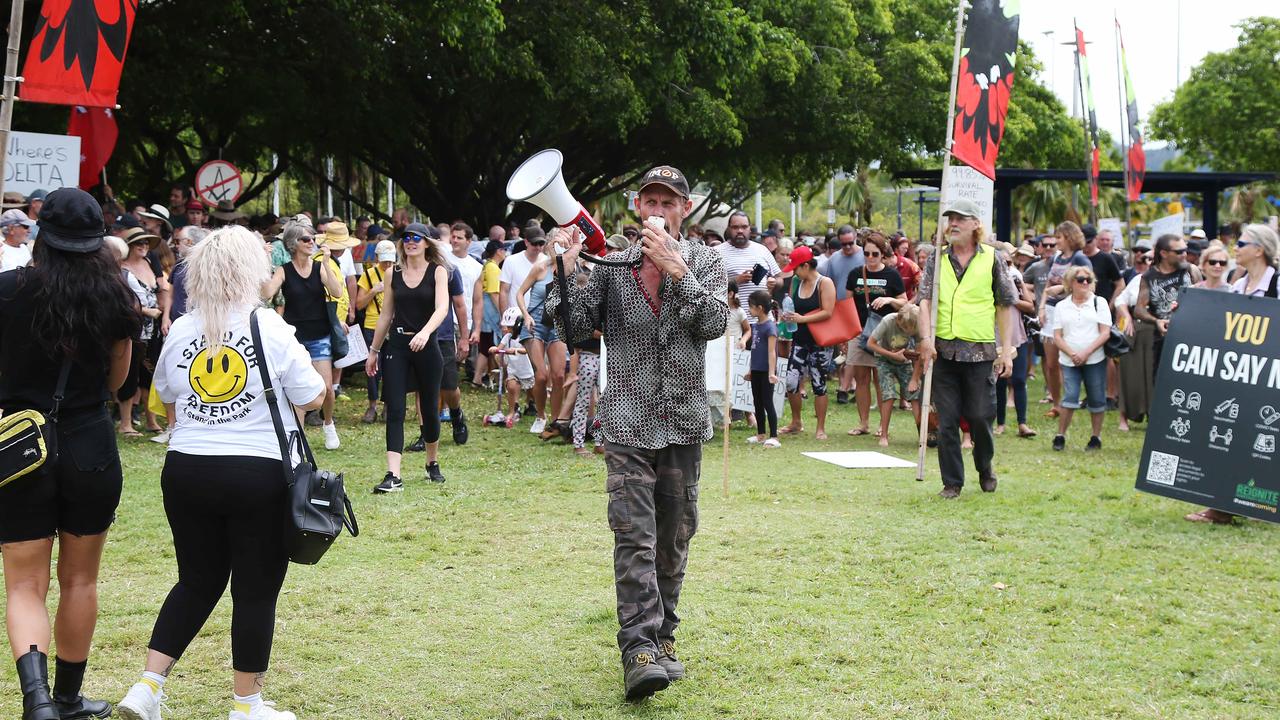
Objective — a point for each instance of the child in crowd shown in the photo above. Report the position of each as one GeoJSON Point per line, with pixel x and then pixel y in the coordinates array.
{"type": "Point", "coordinates": [516, 360]}
{"type": "Point", "coordinates": [764, 367]}
{"type": "Point", "coordinates": [893, 342]}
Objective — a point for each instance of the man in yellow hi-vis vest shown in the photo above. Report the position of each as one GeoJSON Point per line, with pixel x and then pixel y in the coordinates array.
{"type": "Point", "coordinates": [975, 309]}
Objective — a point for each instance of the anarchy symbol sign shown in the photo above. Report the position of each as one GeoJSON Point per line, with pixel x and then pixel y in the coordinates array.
{"type": "Point", "coordinates": [218, 180]}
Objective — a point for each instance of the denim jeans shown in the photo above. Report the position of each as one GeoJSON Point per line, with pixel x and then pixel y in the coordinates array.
{"type": "Point", "coordinates": [1094, 379]}
{"type": "Point", "coordinates": [1018, 382]}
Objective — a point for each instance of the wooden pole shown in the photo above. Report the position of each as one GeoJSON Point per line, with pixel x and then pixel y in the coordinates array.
{"type": "Point", "coordinates": [10, 83]}
{"type": "Point", "coordinates": [728, 412]}
{"type": "Point", "coordinates": [1123, 90]}
{"type": "Point", "coordinates": [937, 241]}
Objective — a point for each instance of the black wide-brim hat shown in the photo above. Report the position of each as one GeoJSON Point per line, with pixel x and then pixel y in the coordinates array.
{"type": "Point", "coordinates": [71, 221]}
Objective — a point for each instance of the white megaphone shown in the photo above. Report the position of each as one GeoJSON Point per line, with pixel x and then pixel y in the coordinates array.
{"type": "Point", "coordinates": [538, 181]}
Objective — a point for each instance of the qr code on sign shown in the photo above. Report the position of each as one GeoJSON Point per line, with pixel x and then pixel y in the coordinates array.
{"type": "Point", "coordinates": [1163, 468]}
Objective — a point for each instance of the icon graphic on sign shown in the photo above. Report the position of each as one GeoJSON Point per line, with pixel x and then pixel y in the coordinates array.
{"type": "Point", "coordinates": [1269, 415]}
{"type": "Point", "coordinates": [1215, 435]}
{"type": "Point", "coordinates": [1193, 401]}
{"type": "Point", "coordinates": [218, 180]}
{"type": "Point", "coordinates": [1177, 397]}
{"type": "Point", "coordinates": [1265, 443]}
{"type": "Point", "coordinates": [1181, 426]}
{"type": "Point", "coordinates": [1227, 408]}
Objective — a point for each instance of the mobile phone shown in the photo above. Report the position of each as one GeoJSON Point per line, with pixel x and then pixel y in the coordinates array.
{"type": "Point", "coordinates": [658, 220]}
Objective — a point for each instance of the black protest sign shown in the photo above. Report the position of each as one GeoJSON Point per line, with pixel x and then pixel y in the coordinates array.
{"type": "Point", "coordinates": [1216, 411]}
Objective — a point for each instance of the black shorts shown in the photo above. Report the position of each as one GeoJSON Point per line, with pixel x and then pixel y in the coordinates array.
{"type": "Point", "coordinates": [77, 494]}
{"type": "Point", "coordinates": [449, 354]}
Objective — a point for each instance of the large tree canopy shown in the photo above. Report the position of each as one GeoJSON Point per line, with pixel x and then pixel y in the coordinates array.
{"type": "Point", "coordinates": [1224, 115]}
{"type": "Point", "coordinates": [447, 97]}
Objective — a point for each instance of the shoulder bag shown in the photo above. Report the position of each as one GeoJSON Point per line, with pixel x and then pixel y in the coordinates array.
{"type": "Point", "coordinates": [873, 317]}
{"type": "Point", "coordinates": [338, 346]}
{"type": "Point", "coordinates": [1118, 343]}
{"type": "Point", "coordinates": [29, 438]}
{"type": "Point", "coordinates": [841, 327]}
{"type": "Point", "coordinates": [318, 503]}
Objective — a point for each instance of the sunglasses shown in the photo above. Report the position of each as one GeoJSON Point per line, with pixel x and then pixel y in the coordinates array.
{"type": "Point", "coordinates": [847, 244]}
{"type": "Point", "coordinates": [1084, 280]}
{"type": "Point", "coordinates": [306, 240]}
{"type": "Point", "coordinates": [873, 254]}
{"type": "Point", "coordinates": [1141, 258]}
{"type": "Point", "coordinates": [1242, 243]}
{"type": "Point", "coordinates": [537, 243]}
{"type": "Point", "coordinates": [1218, 263]}
{"type": "Point", "coordinates": [412, 238]}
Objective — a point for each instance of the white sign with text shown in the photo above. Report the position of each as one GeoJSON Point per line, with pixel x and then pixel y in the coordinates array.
{"type": "Point", "coordinates": [39, 161]}
{"type": "Point", "coordinates": [964, 182]}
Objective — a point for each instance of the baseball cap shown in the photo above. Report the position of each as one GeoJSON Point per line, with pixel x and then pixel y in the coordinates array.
{"type": "Point", "coordinates": [799, 256]}
{"type": "Point", "coordinates": [374, 231]}
{"type": "Point", "coordinates": [1198, 234]}
{"type": "Point", "coordinates": [963, 207]}
{"type": "Point", "coordinates": [418, 229]}
{"type": "Point", "coordinates": [511, 316]}
{"type": "Point", "coordinates": [384, 251]}
{"type": "Point", "coordinates": [668, 177]}
{"type": "Point", "coordinates": [15, 217]}
{"type": "Point", "coordinates": [194, 204]}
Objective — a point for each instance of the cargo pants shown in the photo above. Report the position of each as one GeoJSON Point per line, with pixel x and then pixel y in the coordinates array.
{"type": "Point", "coordinates": [653, 512]}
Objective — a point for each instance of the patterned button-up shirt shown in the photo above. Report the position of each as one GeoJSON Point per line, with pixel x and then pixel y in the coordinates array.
{"type": "Point", "coordinates": [1001, 289]}
{"type": "Point", "coordinates": [655, 393]}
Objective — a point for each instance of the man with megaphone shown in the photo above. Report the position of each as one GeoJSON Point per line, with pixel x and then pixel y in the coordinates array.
{"type": "Point", "coordinates": [660, 301]}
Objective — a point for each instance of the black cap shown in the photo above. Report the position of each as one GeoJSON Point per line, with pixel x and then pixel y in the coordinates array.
{"type": "Point", "coordinates": [374, 231]}
{"type": "Point", "coordinates": [125, 221]}
{"type": "Point", "coordinates": [417, 229]}
{"type": "Point", "coordinates": [1197, 247]}
{"type": "Point", "coordinates": [1090, 232]}
{"type": "Point", "coordinates": [71, 221]}
{"type": "Point", "coordinates": [667, 176]}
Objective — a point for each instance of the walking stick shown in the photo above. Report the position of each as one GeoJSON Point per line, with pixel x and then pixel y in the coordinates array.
{"type": "Point", "coordinates": [728, 411]}
{"type": "Point", "coordinates": [937, 245]}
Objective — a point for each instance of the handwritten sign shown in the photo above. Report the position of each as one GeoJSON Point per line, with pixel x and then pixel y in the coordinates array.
{"type": "Point", "coordinates": [39, 161]}
{"type": "Point", "coordinates": [964, 182]}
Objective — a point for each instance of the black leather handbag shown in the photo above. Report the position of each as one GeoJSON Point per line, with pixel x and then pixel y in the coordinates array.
{"type": "Point", "coordinates": [1117, 343]}
{"type": "Point", "coordinates": [318, 503]}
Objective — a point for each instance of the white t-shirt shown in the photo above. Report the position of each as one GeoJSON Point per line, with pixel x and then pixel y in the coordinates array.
{"type": "Point", "coordinates": [514, 270]}
{"type": "Point", "coordinates": [347, 265]}
{"type": "Point", "coordinates": [1079, 326]}
{"type": "Point", "coordinates": [220, 405]}
{"type": "Point", "coordinates": [470, 271]}
{"type": "Point", "coordinates": [518, 365]}
{"type": "Point", "coordinates": [1129, 295]}
{"type": "Point", "coordinates": [740, 260]}
{"type": "Point", "coordinates": [14, 257]}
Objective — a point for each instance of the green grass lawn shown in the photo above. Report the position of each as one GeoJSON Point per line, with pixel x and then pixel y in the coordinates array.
{"type": "Point", "coordinates": [812, 592]}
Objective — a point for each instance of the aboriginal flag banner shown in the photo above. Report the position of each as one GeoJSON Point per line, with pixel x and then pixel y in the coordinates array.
{"type": "Point", "coordinates": [1086, 89]}
{"type": "Point", "coordinates": [1137, 158]}
{"type": "Point", "coordinates": [77, 52]}
{"type": "Point", "coordinates": [985, 81]}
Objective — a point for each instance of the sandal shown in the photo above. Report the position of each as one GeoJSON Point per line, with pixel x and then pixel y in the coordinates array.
{"type": "Point", "coordinates": [1052, 413]}
{"type": "Point", "coordinates": [130, 433]}
{"type": "Point", "coordinates": [788, 430]}
{"type": "Point", "coordinates": [859, 431]}
{"type": "Point", "coordinates": [1028, 433]}
{"type": "Point", "coordinates": [1209, 515]}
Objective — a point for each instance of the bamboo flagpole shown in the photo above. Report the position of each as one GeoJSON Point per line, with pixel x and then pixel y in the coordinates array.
{"type": "Point", "coordinates": [11, 80]}
{"type": "Point", "coordinates": [938, 238]}
{"type": "Point", "coordinates": [1124, 132]}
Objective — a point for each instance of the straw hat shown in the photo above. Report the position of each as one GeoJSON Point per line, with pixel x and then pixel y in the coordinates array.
{"type": "Point", "coordinates": [336, 235]}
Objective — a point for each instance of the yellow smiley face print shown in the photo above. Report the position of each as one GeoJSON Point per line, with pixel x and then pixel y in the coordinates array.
{"type": "Point", "coordinates": [218, 377]}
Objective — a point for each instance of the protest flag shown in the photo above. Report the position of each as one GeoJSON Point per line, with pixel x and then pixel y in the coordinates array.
{"type": "Point", "coordinates": [984, 81]}
{"type": "Point", "coordinates": [77, 52]}
{"type": "Point", "coordinates": [97, 130]}
{"type": "Point", "coordinates": [1136, 158]}
{"type": "Point", "coordinates": [1091, 117]}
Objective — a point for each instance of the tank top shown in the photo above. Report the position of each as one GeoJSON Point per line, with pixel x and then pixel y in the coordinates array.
{"type": "Point", "coordinates": [304, 300]}
{"type": "Point", "coordinates": [804, 306]}
{"type": "Point", "coordinates": [538, 297]}
{"type": "Point", "coordinates": [414, 305]}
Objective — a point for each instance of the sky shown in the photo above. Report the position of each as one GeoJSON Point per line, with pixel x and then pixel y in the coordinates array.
{"type": "Point", "coordinates": [1151, 34]}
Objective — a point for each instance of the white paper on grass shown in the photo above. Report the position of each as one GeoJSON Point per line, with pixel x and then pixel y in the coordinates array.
{"type": "Point", "coordinates": [357, 350]}
{"type": "Point", "coordinates": [866, 459]}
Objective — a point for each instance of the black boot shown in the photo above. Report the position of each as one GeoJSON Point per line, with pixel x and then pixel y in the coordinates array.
{"type": "Point", "coordinates": [67, 679]}
{"type": "Point", "coordinates": [33, 676]}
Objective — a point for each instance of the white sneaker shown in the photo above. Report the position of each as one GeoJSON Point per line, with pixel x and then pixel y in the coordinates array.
{"type": "Point", "coordinates": [265, 711]}
{"type": "Point", "coordinates": [772, 443]}
{"type": "Point", "coordinates": [331, 437]}
{"type": "Point", "coordinates": [161, 437]}
{"type": "Point", "coordinates": [752, 440]}
{"type": "Point", "coordinates": [539, 424]}
{"type": "Point", "coordinates": [140, 704]}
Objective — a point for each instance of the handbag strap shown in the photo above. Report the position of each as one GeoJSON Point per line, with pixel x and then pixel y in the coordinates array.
{"type": "Point", "coordinates": [60, 390]}
{"type": "Point", "coordinates": [269, 392]}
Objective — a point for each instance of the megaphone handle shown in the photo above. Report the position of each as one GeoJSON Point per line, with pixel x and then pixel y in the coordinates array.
{"type": "Point", "coordinates": [563, 284]}
{"type": "Point", "coordinates": [593, 234]}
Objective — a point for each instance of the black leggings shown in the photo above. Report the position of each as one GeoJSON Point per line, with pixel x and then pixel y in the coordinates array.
{"type": "Point", "coordinates": [400, 365]}
{"type": "Point", "coordinates": [227, 515]}
{"type": "Point", "coordinates": [762, 396]}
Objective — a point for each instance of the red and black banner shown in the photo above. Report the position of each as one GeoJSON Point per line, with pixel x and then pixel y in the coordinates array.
{"type": "Point", "coordinates": [1136, 162]}
{"type": "Point", "coordinates": [987, 61]}
{"type": "Point", "coordinates": [96, 128]}
{"type": "Point", "coordinates": [77, 52]}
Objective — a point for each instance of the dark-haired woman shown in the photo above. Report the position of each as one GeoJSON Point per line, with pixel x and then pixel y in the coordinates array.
{"type": "Point", "coordinates": [814, 296]}
{"type": "Point", "coordinates": [70, 309]}
{"type": "Point", "coordinates": [414, 304]}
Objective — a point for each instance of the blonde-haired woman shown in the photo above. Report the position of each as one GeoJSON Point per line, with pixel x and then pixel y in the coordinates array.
{"type": "Point", "coordinates": [1081, 326]}
{"type": "Point", "coordinates": [1070, 244]}
{"type": "Point", "coordinates": [414, 304]}
{"type": "Point", "coordinates": [1213, 266]}
{"type": "Point", "coordinates": [223, 477]}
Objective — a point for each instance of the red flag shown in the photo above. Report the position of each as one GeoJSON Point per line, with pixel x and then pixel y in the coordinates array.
{"type": "Point", "coordinates": [984, 83]}
{"type": "Point", "coordinates": [77, 52]}
{"type": "Point", "coordinates": [97, 130]}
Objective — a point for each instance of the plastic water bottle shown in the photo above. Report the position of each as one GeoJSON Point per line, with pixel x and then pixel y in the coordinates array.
{"type": "Point", "coordinates": [788, 306]}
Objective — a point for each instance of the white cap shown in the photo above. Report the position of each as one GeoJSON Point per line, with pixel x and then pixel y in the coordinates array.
{"type": "Point", "coordinates": [511, 316]}
{"type": "Point", "coordinates": [15, 217]}
{"type": "Point", "coordinates": [1198, 234]}
{"type": "Point", "coordinates": [384, 251]}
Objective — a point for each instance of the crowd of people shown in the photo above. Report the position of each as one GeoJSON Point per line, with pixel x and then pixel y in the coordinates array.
{"type": "Point", "coordinates": [150, 307]}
